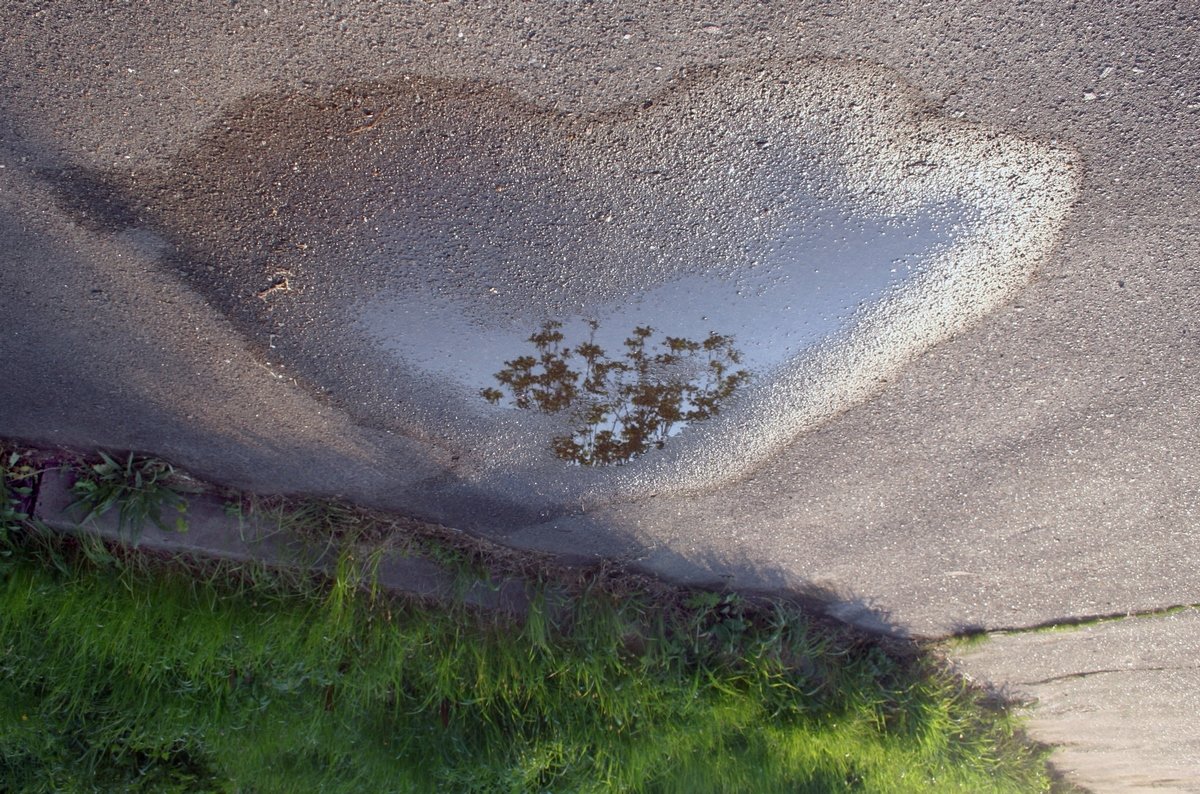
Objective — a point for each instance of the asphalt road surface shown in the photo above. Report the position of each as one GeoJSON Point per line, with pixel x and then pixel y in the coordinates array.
{"type": "Point", "coordinates": [941, 256]}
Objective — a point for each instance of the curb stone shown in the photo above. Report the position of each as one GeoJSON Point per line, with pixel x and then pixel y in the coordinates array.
{"type": "Point", "coordinates": [212, 532]}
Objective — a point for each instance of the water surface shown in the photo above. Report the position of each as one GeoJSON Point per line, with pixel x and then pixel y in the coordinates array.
{"type": "Point", "coordinates": [796, 293]}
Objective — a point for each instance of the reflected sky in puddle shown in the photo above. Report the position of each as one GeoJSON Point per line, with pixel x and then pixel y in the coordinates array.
{"type": "Point", "coordinates": [800, 291]}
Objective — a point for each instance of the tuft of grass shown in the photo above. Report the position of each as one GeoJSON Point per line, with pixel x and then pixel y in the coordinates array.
{"type": "Point", "coordinates": [358, 538]}
{"type": "Point", "coordinates": [140, 489]}
{"type": "Point", "coordinates": [18, 478]}
{"type": "Point", "coordinates": [16, 490]}
{"type": "Point", "coordinates": [123, 672]}
{"type": "Point", "coordinates": [968, 638]}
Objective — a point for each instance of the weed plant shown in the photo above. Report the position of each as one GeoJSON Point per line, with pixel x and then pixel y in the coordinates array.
{"type": "Point", "coordinates": [140, 489]}
{"type": "Point", "coordinates": [124, 673]}
{"type": "Point", "coordinates": [17, 474]}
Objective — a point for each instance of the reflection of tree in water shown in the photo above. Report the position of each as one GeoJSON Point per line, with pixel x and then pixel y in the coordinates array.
{"type": "Point", "coordinates": [622, 406]}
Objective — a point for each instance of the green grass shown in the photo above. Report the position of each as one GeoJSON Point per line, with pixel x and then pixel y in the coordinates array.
{"type": "Point", "coordinates": [118, 675]}
{"type": "Point", "coordinates": [967, 640]}
{"type": "Point", "coordinates": [121, 671]}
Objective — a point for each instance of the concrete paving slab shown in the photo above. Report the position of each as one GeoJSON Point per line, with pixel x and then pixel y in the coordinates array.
{"type": "Point", "coordinates": [1120, 699]}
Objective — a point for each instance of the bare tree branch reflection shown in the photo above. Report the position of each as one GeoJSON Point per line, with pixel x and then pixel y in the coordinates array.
{"type": "Point", "coordinates": [622, 406]}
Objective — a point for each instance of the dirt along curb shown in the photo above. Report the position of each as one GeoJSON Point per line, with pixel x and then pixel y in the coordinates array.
{"type": "Point", "coordinates": [214, 530]}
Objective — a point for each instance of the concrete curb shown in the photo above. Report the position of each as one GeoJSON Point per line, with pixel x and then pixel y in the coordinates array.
{"type": "Point", "coordinates": [212, 532]}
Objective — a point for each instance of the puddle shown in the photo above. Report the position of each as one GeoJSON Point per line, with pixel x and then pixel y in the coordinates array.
{"type": "Point", "coordinates": [393, 246]}
{"type": "Point", "coordinates": [801, 290]}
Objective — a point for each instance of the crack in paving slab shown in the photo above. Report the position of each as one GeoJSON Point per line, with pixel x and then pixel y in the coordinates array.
{"type": "Point", "coordinates": [1087, 673]}
{"type": "Point", "coordinates": [1066, 623]}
